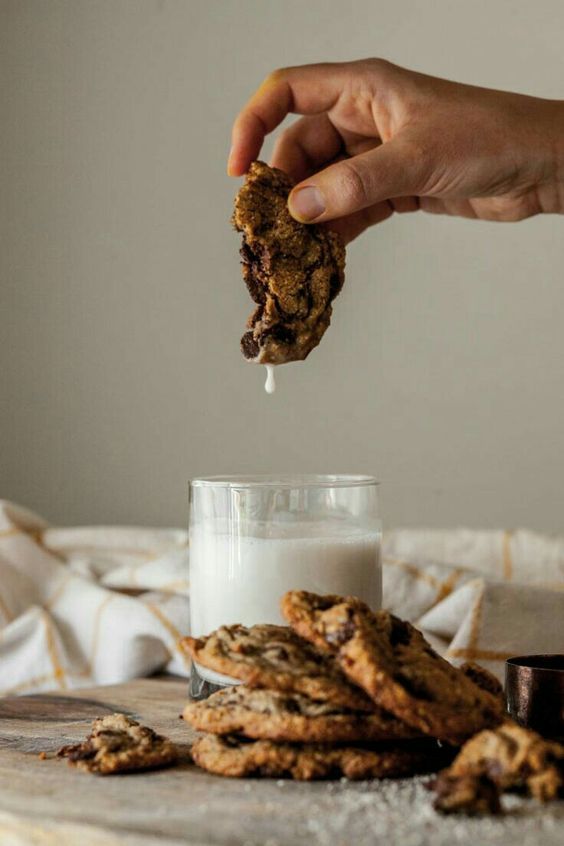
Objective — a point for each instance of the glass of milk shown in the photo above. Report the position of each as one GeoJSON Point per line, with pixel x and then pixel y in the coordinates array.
{"type": "Point", "coordinates": [252, 538]}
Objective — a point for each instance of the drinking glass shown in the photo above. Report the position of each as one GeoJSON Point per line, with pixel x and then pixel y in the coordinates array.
{"type": "Point", "coordinates": [252, 538]}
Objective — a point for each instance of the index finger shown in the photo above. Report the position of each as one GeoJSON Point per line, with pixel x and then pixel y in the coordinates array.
{"type": "Point", "coordinates": [304, 90]}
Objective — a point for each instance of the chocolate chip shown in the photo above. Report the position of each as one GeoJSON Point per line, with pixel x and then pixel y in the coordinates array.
{"type": "Point", "coordinates": [400, 632]}
{"type": "Point", "coordinates": [278, 653]}
{"type": "Point", "coordinates": [249, 346]}
{"type": "Point", "coordinates": [80, 752]}
{"type": "Point", "coordinates": [335, 284]}
{"type": "Point", "coordinates": [280, 333]}
{"type": "Point", "coordinates": [252, 273]}
{"type": "Point", "coordinates": [341, 634]}
{"type": "Point", "coordinates": [415, 687]}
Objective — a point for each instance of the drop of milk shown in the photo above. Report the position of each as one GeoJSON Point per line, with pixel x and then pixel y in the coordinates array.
{"type": "Point", "coordinates": [270, 384]}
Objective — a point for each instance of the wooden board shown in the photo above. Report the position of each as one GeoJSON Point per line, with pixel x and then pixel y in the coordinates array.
{"type": "Point", "coordinates": [48, 803]}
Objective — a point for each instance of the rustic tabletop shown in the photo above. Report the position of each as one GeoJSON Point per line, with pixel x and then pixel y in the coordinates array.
{"type": "Point", "coordinates": [48, 802]}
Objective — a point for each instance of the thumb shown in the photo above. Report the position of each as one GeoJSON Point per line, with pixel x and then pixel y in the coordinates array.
{"type": "Point", "coordinates": [397, 168]}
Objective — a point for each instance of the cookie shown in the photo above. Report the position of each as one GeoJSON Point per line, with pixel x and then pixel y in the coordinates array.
{"type": "Point", "coordinates": [272, 715]}
{"type": "Point", "coordinates": [391, 660]}
{"type": "Point", "coordinates": [232, 755]}
{"type": "Point", "coordinates": [274, 657]}
{"type": "Point", "coordinates": [510, 756]}
{"type": "Point", "coordinates": [293, 271]}
{"type": "Point", "coordinates": [117, 744]}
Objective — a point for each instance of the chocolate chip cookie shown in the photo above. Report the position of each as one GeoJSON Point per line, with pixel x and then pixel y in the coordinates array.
{"type": "Point", "coordinates": [394, 664]}
{"type": "Point", "coordinates": [118, 744]}
{"type": "Point", "coordinates": [275, 657]}
{"type": "Point", "coordinates": [272, 715]}
{"type": "Point", "coordinates": [509, 757]}
{"type": "Point", "coordinates": [293, 271]}
{"type": "Point", "coordinates": [232, 755]}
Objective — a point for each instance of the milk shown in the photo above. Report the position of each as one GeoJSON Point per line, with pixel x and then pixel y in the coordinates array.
{"type": "Point", "coordinates": [241, 578]}
{"type": "Point", "coordinates": [270, 384]}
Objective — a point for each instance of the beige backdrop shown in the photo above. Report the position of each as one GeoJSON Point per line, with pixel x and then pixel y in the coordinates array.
{"type": "Point", "coordinates": [121, 302]}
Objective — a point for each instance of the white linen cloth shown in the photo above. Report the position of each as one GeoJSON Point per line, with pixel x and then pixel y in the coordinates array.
{"type": "Point", "coordinates": [64, 620]}
{"type": "Point", "coordinates": [99, 605]}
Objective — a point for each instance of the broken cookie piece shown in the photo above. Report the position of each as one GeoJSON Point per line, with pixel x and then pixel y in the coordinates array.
{"type": "Point", "coordinates": [293, 271]}
{"type": "Point", "coordinates": [471, 794]}
{"type": "Point", "coordinates": [508, 757]}
{"type": "Point", "coordinates": [117, 744]}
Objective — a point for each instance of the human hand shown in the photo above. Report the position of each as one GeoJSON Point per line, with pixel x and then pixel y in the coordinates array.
{"type": "Point", "coordinates": [376, 138]}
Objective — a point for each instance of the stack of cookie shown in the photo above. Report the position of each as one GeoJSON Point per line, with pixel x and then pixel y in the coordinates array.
{"type": "Point", "coordinates": [341, 691]}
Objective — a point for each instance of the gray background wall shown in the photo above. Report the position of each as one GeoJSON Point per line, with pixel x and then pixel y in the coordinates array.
{"type": "Point", "coordinates": [121, 302]}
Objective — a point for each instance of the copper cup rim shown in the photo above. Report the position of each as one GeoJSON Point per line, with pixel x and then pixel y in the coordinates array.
{"type": "Point", "coordinates": [549, 663]}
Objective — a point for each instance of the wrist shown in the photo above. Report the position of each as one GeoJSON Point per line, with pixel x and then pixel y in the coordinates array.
{"type": "Point", "coordinates": [555, 133]}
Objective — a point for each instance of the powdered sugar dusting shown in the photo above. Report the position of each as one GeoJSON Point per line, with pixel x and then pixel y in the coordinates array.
{"type": "Point", "coordinates": [342, 813]}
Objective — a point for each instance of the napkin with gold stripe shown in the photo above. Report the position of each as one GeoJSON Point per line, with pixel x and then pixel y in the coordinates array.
{"type": "Point", "coordinates": [479, 596]}
{"type": "Point", "coordinates": [89, 606]}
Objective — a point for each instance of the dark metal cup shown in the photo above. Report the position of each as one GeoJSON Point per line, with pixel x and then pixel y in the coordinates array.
{"type": "Point", "coordinates": [534, 689]}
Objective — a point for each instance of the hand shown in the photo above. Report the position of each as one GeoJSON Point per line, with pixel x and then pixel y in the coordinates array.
{"type": "Point", "coordinates": [377, 138]}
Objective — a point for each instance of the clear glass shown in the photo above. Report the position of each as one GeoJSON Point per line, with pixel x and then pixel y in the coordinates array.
{"type": "Point", "coordinates": [252, 538]}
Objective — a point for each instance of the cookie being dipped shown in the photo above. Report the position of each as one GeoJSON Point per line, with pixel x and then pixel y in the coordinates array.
{"type": "Point", "coordinates": [293, 271]}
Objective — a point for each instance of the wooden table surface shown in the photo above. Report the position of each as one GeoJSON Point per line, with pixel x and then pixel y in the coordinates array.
{"type": "Point", "coordinates": [48, 803]}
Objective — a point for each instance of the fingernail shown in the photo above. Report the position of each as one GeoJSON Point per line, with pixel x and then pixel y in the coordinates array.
{"type": "Point", "coordinates": [307, 203]}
